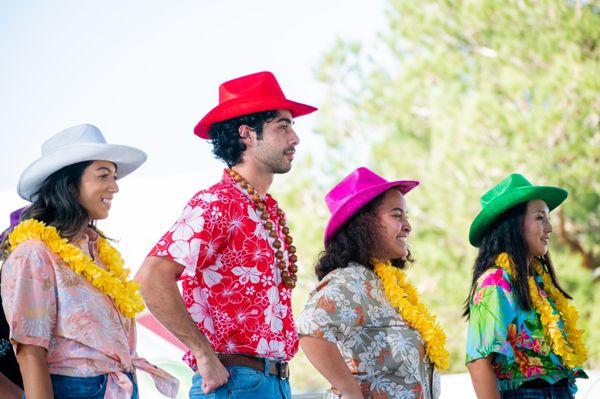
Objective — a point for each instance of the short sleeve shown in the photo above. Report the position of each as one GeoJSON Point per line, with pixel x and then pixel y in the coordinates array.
{"type": "Point", "coordinates": [493, 312]}
{"type": "Point", "coordinates": [29, 294]}
{"type": "Point", "coordinates": [331, 312]}
{"type": "Point", "coordinates": [196, 237]}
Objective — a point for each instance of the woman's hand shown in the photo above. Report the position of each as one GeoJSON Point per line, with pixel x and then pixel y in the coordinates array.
{"type": "Point", "coordinates": [327, 359]}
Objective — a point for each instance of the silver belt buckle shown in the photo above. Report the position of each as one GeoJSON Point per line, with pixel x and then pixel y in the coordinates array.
{"type": "Point", "coordinates": [283, 370]}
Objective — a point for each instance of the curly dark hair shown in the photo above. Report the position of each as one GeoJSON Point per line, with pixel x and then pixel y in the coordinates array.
{"type": "Point", "coordinates": [506, 235]}
{"type": "Point", "coordinates": [226, 141]}
{"type": "Point", "coordinates": [355, 241]}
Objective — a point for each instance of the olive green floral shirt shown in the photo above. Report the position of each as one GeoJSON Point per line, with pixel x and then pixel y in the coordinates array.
{"type": "Point", "coordinates": [385, 354]}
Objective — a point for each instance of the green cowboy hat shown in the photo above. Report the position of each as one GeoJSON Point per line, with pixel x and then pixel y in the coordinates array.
{"type": "Point", "coordinates": [511, 191]}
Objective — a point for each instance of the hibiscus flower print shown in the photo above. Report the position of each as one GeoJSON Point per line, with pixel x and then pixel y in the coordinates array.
{"type": "Point", "coordinates": [266, 280]}
{"type": "Point", "coordinates": [247, 316]}
{"type": "Point", "coordinates": [211, 248]}
{"type": "Point", "coordinates": [211, 273]}
{"type": "Point", "coordinates": [276, 311]}
{"type": "Point", "coordinates": [534, 367]}
{"type": "Point", "coordinates": [286, 294]}
{"type": "Point", "coordinates": [215, 212]}
{"type": "Point", "coordinates": [228, 291]}
{"type": "Point", "coordinates": [200, 311]}
{"type": "Point", "coordinates": [247, 274]}
{"type": "Point", "coordinates": [496, 278]}
{"type": "Point", "coordinates": [186, 254]}
{"type": "Point", "coordinates": [191, 221]}
{"type": "Point", "coordinates": [236, 221]}
{"type": "Point", "coordinates": [272, 349]}
{"type": "Point", "coordinates": [258, 251]}
{"type": "Point", "coordinates": [260, 230]}
{"type": "Point", "coordinates": [208, 197]}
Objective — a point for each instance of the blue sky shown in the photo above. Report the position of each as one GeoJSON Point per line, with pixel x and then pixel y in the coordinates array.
{"type": "Point", "coordinates": [146, 71]}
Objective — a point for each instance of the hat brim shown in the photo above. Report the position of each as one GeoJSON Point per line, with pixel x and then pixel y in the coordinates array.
{"type": "Point", "coordinates": [353, 204]}
{"type": "Point", "coordinates": [244, 106]}
{"type": "Point", "coordinates": [552, 196]}
{"type": "Point", "coordinates": [126, 158]}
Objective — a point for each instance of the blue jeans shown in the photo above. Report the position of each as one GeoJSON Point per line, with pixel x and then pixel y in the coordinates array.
{"type": "Point", "coordinates": [538, 393]}
{"type": "Point", "coordinates": [246, 383]}
{"type": "Point", "coordinates": [67, 387]}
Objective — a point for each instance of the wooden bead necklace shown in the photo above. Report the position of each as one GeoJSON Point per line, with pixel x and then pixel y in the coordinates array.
{"type": "Point", "coordinates": [288, 276]}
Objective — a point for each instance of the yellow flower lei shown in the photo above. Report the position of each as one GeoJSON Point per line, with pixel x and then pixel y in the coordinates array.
{"type": "Point", "coordinates": [567, 344]}
{"type": "Point", "coordinates": [112, 282]}
{"type": "Point", "coordinates": [405, 298]}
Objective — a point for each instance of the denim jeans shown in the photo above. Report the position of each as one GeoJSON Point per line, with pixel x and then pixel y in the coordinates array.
{"type": "Point", "coordinates": [538, 393]}
{"type": "Point", "coordinates": [246, 383]}
{"type": "Point", "coordinates": [67, 387]}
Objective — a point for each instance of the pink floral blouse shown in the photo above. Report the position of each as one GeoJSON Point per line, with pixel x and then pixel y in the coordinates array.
{"type": "Point", "coordinates": [47, 304]}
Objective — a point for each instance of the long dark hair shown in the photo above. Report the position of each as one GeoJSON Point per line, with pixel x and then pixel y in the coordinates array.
{"type": "Point", "coordinates": [355, 241]}
{"type": "Point", "coordinates": [56, 201]}
{"type": "Point", "coordinates": [225, 138]}
{"type": "Point", "coordinates": [506, 235]}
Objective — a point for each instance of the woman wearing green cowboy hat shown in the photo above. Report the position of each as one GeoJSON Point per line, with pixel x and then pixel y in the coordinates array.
{"type": "Point", "coordinates": [522, 338]}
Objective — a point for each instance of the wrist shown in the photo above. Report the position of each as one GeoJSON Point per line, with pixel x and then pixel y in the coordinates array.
{"type": "Point", "coordinates": [349, 389]}
{"type": "Point", "coordinates": [203, 354]}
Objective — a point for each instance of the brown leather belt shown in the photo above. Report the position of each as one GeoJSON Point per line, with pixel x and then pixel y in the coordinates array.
{"type": "Point", "coordinates": [279, 369]}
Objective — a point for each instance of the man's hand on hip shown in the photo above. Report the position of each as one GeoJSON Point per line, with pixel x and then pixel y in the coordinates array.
{"type": "Point", "coordinates": [212, 371]}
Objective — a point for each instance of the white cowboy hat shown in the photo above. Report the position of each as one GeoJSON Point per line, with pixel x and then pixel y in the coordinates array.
{"type": "Point", "coordinates": [76, 144]}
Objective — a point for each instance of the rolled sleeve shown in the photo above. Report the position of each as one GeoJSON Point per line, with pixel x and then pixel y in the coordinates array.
{"type": "Point", "coordinates": [330, 313]}
{"type": "Point", "coordinates": [194, 240]}
{"type": "Point", "coordinates": [29, 294]}
{"type": "Point", "coordinates": [493, 313]}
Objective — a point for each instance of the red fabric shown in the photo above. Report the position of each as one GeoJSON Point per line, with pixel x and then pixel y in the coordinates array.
{"type": "Point", "coordinates": [231, 285]}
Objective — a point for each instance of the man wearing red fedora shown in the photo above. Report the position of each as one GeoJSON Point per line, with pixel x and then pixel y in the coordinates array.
{"type": "Point", "coordinates": [233, 251]}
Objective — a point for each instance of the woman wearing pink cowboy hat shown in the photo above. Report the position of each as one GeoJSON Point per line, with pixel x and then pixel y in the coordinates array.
{"type": "Point", "coordinates": [364, 327]}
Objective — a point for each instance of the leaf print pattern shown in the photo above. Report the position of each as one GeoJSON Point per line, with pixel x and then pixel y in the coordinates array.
{"type": "Point", "coordinates": [349, 308]}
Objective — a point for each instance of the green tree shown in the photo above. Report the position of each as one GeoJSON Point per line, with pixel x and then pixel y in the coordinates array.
{"type": "Point", "coordinates": [458, 94]}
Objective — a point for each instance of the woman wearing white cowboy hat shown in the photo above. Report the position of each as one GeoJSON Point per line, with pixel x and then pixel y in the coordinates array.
{"type": "Point", "coordinates": [66, 295]}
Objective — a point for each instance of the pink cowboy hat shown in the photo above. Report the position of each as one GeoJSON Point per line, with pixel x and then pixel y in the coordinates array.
{"type": "Point", "coordinates": [246, 95]}
{"type": "Point", "coordinates": [354, 192]}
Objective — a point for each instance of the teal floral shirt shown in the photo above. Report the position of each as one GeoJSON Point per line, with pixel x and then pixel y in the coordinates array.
{"type": "Point", "coordinates": [514, 337]}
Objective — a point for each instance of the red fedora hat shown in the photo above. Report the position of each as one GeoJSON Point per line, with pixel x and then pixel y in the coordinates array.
{"type": "Point", "coordinates": [246, 95]}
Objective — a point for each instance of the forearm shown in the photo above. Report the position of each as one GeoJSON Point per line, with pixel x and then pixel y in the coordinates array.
{"type": "Point", "coordinates": [158, 281]}
{"type": "Point", "coordinates": [327, 359]}
{"type": "Point", "coordinates": [33, 364]}
{"type": "Point", "coordinates": [484, 379]}
{"type": "Point", "coordinates": [8, 389]}
{"type": "Point", "coordinates": [161, 294]}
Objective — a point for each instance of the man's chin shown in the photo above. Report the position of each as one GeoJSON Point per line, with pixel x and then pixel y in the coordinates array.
{"type": "Point", "coordinates": [282, 170]}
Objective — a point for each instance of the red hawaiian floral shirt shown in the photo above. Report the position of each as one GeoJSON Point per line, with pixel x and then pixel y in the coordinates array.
{"type": "Point", "coordinates": [231, 285]}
